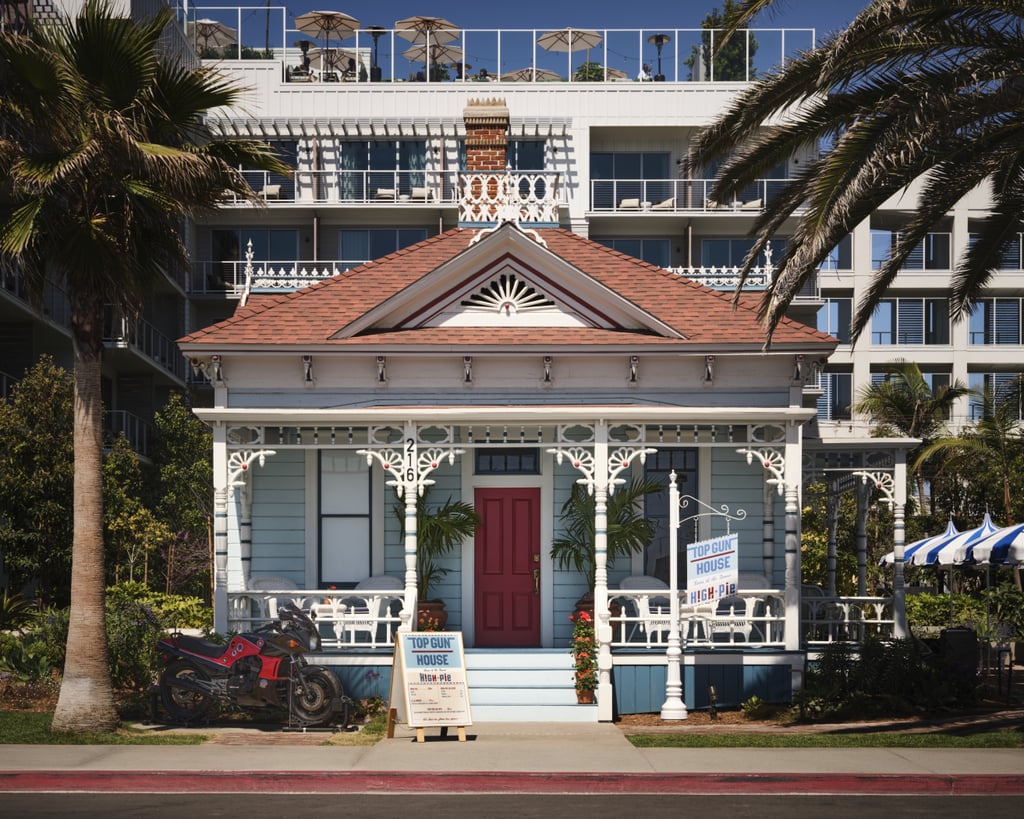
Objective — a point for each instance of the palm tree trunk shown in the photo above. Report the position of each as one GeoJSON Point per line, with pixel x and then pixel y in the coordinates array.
{"type": "Point", "coordinates": [86, 701]}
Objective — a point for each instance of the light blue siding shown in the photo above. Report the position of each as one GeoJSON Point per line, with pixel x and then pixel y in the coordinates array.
{"type": "Point", "coordinates": [279, 517]}
{"type": "Point", "coordinates": [740, 486]}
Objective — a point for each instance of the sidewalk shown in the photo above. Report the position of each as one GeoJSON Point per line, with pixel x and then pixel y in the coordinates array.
{"type": "Point", "coordinates": [507, 757]}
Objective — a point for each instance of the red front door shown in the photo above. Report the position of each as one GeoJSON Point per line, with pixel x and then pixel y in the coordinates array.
{"type": "Point", "coordinates": [507, 590]}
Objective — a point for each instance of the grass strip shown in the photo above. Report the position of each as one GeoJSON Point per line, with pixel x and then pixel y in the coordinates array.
{"type": "Point", "coordinates": [33, 728]}
{"type": "Point", "coordinates": [986, 739]}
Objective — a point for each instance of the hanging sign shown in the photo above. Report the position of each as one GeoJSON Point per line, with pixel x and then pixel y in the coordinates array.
{"type": "Point", "coordinates": [428, 680]}
{"type": "Point", "coordinates": [712, 569]}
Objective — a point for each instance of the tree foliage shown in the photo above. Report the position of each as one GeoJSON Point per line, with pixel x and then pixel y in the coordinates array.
{"type": "Point", "coordinates": [36, 467]}
{"type": "Point", "coordinates": [911, 90]}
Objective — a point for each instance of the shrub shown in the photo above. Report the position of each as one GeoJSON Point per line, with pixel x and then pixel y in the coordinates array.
{"type": "Point", "coordinates": [16, 612]}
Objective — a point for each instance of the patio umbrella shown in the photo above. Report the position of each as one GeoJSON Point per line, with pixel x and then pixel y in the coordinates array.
{"type": "Point", "coordinates": [327, 59]}
{"type": "Point", "coordinates": [438, 54]}
{"type": "Point", "coordinates": [430, 32]}
{"type": "Point", "coordinates": [925, 543]}
{"type": "Point", "coordinates": [569, 40]}
{"type": "Point", "coordinates": [957, 548]}
{"type": "Point", "coordinates": [324, 24]}
{"type": "Point", "coordinates": [211, 34]}
{"type": "Point", "coordinates": [1003, 547]}
{"type": "Point", "coordinates": [529, 74]}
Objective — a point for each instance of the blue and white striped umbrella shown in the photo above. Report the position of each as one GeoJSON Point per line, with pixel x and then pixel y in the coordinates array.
{"type": "Point", "coordinates": [957, 549]}
{"type": "Point", "coordinates": [1002, 547]}
{"type": "Point", "coordinates": [925, 543]}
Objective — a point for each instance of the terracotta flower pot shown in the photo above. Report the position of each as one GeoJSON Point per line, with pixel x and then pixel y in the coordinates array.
{"type": "Point", "coordinates": [432, 611]}
{"type": "Point", "coordinates": [585, 697]}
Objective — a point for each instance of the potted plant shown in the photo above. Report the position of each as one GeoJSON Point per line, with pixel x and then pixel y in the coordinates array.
{"type": "Point", "coordinates": [629, 532]}
{"type": "Point", "coordinates": [584, 655]}
{"type": "Point", "coordinates": [439, 529]}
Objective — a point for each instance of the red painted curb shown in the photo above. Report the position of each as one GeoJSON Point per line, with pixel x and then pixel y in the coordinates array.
{"type": "Point", "coordinates": [504, 782]}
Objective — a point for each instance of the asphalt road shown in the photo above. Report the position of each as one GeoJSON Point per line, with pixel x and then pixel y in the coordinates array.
{"type": "Point", "coordinates": [500, 806]}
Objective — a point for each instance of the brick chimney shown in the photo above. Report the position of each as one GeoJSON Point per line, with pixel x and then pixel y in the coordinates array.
{"type": "Point", "coordinates": [486, 135]}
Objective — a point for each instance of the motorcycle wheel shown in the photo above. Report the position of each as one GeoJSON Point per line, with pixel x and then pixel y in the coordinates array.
{"type": "Point", "coordinates": [183, 704]}
{"type": "Point", "coordinates": [313, 699]}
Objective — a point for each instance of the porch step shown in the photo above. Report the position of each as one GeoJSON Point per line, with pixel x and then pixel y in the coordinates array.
{"type": "Point", "coordinates": [523, 684]}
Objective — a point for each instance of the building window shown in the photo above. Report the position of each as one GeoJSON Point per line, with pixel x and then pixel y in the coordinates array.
{"type": "Point", "coordinates": [836, 399]}
{"type": "Point", "coordinates": [652, 251]}
{"type": "Point", "coordinates": [910, 321]}
{"type": "Point", "coordinates": [937, 382]}
{"type": "Point", "coordinates": [933, 253]}
{"type": "Point", "coordinates": [364, 245]}
{"type": "Point", "coordinates": [995, 321]}
{"type": "Point", "coordinates": [1001, 386]}
{"type": "Point", "coordinates": [526, 154]}
{"type": "Point", "coordinates": [657, 467]}
{"type": "Point", "coordinates": [287, 150]}
{"type": "Point", "coordinates": [731, 252]}
{"type": "Point", "coordinates": [279, 248]}
{"type": "Point", "coordinates": [345, 536]}
{"type": "Point", "coordinates": [1012, 255]}
{"type": "Point", "coordinates": [834, 318]}
{"type": "Point", "coordinates": [617, 176]}
{"type": "Point", "coordinates": [381, 169]}
{"type": "Point", "coordinates": [840, 257]}
{"type": "Point", "coordinates": [505, 461]}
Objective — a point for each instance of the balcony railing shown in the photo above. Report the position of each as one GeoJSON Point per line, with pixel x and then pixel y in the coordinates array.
{"type": "Point", "coordinates": [510, 55]}
{"type": "Point", "coordinates": [523, 196]}
{"type": "Point", "coordinates": [677, 196]}
{"type": "Point", "coordinates": [727, 278]}
{"type": "Point", "coordinates": [144, 338]}
{"type": "Point", "coordinates": [121, 422]}
{"type": "Point", "coordinates": [422, 187]}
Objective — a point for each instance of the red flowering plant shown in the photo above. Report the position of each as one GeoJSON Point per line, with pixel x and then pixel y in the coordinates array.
{"type": "Point", "coordinates": [584, 651]}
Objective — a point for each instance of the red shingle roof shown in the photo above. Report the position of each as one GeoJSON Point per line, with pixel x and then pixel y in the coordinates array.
{"type": "Point", "coordinates": [314, 315]}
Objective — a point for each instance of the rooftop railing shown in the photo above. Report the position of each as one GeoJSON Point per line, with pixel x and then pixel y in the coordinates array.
{"type": "Point", "coordinates": [534, 55]}
{"type": "Point", "coordinates": [678, 196]}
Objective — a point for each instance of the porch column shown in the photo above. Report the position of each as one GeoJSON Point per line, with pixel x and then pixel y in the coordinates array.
{"type": "Point", "coordinates": [832, 500]}
{"type": "Point", "coordinates": [768, 535]}
{"type": "Point", "coordinates": [603, 628]}
{"type": "Point", "coordinates": [601, 475]}
{"type": "Point", "coordinates": [901, 630]}
{"type": "Point", "coordinates": [410, 468]}
{"type": "Point", "coordinates": [245, 530]}
{"type": "Point", "coordinates": [863, 494]}
{"type": "Point", "coordinates": [220, 529]}
{"type": "Point", "coordinates": [793, 468]}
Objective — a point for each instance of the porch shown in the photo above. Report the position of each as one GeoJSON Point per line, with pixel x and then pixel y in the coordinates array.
{"type": "Point", "coordinates": [735, 649]}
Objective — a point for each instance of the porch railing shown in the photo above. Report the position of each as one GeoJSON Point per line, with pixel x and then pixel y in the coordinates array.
{"type": "Point", "coordinates": [641, 619]}
{"type": "Point", "coordinates": [346, 619]}
{"type": "Point", "coordinates": [845, 619]}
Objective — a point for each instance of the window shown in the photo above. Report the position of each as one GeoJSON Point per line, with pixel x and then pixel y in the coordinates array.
{"type": "Point", "coordinates": [618, 176]}
{"type": "Point", "coordinates": [657, 467]}
{"type": "Point", "coordinates": [229, 246]}
{"type": "Point", "coordinates": [731, 252]}
{"type": "Point", "coordinates": [376, 168]}
{"type": "Point", "coordinates": [834, 318]}
{"type": "Point", "coordinates": [995, 321]}
{"type": "Point", "coordinates": [836, 396]}
{"type": "Point", "coordinates": [937, 381]}
{"type": "Point", "coordinates": [911, 321]}
{"type": "Point", "coordinates": [505, 461]}
{"type": "Point", "coordinates": [526, 155]}
{"type": "Point", "coordinates": [933, 253]}
{"type": "Point", "coordinates": [652, 251]}
{"type": "Point", "coordinates": [1002, 386]}
{"type": "Point", "coordinates": [365, 245]}
{"type": "Point", "coordinates": [345, 542]}
{"type": "Point", "coordinates": [287, 151]}
{"type": "Point", "coordinates": [1012, 256]}
{"type": "Point", "coordinates": [840, 257]}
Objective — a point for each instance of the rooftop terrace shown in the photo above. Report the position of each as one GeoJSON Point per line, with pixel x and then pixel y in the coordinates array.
{"type": "Point", "coordinates": [334, 47]}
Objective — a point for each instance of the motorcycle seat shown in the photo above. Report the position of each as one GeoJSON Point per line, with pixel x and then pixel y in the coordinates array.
{"type": "Point", "coordinates": [197, 645]}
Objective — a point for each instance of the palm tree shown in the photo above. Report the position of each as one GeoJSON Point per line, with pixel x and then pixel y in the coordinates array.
{"type": "Point", "coordinates": [104, 153]}
{"type": "Point", "coordinates": [912, 89]}
{"type": "Point", "coordinates": [905, 404]}
{"type": "Point", "coordinates": [995, 439]}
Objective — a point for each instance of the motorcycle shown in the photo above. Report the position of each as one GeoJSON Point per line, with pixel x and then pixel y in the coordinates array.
{"type": "Point", "coordinates": [265, 668]}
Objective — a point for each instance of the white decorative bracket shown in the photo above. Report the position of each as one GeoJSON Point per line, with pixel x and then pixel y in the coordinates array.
{"type": "Point", "coordinates": [582, 460]}
{"type": "Point", "coordinates": [410, 467]}
{"type": "Point", "coordinates": [883, 482]}
{"type": "Point", "coordinates": [240, 461]}
{"type": "Point", "coordinates": [773, 461]}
